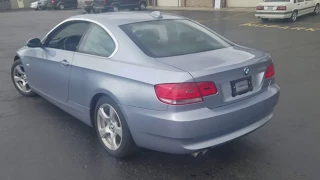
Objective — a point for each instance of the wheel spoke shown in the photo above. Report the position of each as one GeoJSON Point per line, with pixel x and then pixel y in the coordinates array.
{"type": "Point", "coordinates": [113, 143]}
{"type": "Point", "coordinates": [118, 130]}
{"type": "Point", "coordinates": [18, 79]}
{"type": "Point", "coordinates": [18, 68]}
{"type": "Point", "coordinates": [104, 131]}
{"type": "Point", "coordinates": [24, 86]}
{"type": "Point", "coordinates": [103, 115]}
{"type": "Point", "coordinates": [111, 113]}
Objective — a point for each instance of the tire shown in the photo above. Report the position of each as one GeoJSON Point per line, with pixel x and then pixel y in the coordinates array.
{"type": "Point", "coordinates": [317, 10]}
{"type": "Point", "coordinates": [18, 84]}
{"type": "Point", "coordinates": [143, 6]}
{"type": "Point", "coordinates": [115, 8]}
{"type": "Point", "coordinates": [126, 145]}
{"type": "Point", "coordinates": [61, 6]}
{"type": "Point", "coordinates": [294, 16]}
{"type": "Point", "coordinates": [88, 10]}
{"type": "Point", "coordinates": [265, 19]}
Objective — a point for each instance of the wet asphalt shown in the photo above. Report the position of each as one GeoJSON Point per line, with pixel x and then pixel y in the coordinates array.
{"type": "Point", "coordinates": [39, 141]}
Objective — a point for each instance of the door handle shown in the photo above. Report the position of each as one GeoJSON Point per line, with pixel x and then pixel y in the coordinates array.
{"type": "Point", "coordinates": [64, 63]}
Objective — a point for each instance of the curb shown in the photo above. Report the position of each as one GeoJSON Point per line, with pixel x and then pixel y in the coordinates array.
{"type": "Point", "coordinates": [155, 8]}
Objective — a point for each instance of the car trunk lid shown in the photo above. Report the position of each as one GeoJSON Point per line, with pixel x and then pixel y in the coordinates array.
{"type": "Point", "coordinates": [236, 71]}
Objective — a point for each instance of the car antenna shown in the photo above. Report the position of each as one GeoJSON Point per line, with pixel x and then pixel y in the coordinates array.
{"type": "Point", "coordinates": [156, 14]}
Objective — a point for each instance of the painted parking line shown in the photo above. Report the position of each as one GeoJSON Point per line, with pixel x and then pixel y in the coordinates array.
{"type": "Point", "coordinates": [295, 28]}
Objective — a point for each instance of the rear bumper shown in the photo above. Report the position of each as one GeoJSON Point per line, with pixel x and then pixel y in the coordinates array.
{"type": "Point", "coordinates": [191, 130]}
{"type": "Point", "coordinates": [273, 15]}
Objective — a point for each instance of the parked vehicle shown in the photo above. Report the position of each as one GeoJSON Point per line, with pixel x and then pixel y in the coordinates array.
{"type": "Point", "coordinates": [39, 5]}
{"type": "Point", "coordinates": [116, 5]}
{"type": "Point", "coordinates": [155, 81]}
{"type": "Point", "coordinates": [62, 4]}
{"type": "Point", "coordinates": [286, 9]}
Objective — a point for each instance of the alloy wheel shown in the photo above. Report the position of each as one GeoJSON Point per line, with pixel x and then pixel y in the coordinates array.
{"type": "Point", "coordinates": [115, 8]}
{"type": "Point", "coordinates": [317, 10]}
{"type": "Point", "coordinates": [61, 7]}
{"type": "Point", "coordinates": [20, 79]}
{"type": "Point", "coordinates": [294, 16]}
{"type": "Point", "coordinates": [142, 6]}
{"type": "Point", "coordinates": [109, 126]}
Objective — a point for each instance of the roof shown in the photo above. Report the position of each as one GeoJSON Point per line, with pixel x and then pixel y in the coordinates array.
{"type": "Point", "coordinates": [120, 18]}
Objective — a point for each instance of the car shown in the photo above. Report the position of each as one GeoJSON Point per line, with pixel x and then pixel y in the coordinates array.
{"type": "Point", "coordinates": [39, 5]}
{"type": "Point", "coordinates": [62, 4]}
{"type": "Point", "coordinates": [149, 80]}
{"type": "Point", "coordinates": [116, 5]}
{"type": "Point", "coordinates": [286, 9]}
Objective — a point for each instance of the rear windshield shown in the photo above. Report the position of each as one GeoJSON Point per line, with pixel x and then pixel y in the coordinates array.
{"type": "Point", "coordinates": [166, 38]}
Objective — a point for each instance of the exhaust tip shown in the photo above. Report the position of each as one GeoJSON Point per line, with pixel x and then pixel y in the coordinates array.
{"type": "Point", "coordinates": [201, 152]}
{"type": "Point", "coordinates": [205, 152]}
{"type": "Point", "coordinates": [195, 154]}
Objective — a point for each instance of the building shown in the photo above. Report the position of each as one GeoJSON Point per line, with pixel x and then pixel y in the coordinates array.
{"type": "Point", "coordinates": [243, 3]}
{"type": "Point", "coordinates": [15, 4]}
{"type": "Point", "coordinates": [5, 4]}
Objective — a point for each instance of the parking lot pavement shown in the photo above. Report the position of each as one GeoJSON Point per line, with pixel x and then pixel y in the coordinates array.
{"type": "Point", "coordinates": [40, 141]}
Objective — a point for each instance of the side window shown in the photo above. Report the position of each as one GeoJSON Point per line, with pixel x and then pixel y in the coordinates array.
{"type": "Point", "coordinates": [67, 36]}
{"type": "Point", "coordinates": [300, 0]}
{"type": "Point", "coordinates": [97, 42]}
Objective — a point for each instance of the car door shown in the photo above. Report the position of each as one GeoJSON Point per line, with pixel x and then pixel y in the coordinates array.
{"type": "Point", "coordinates": [125, 3]}
{"type": "Point", "coordinates": [89, 63]}
{"type": "Point", "coordinates": [310, 5]}
{"type": "Point", "coordinates": [301, 7]}
{"type": "Point", "coordinates": [49, 72]}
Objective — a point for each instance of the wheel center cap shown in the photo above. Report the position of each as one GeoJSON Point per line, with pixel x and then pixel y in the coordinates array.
{"type": "Point", "coordinates": [111, 126]}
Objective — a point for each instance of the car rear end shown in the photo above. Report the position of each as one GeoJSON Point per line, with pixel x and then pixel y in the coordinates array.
{"type": "Point", "coordinates": [274, 10]}
{"type": "Point", "coordinates": [233, 91]}
{"type": "Point", "coordinates": [101, 5]}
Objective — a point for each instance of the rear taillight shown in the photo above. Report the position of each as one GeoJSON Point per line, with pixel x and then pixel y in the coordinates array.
{"type": "Point", "coordinates": [85, 2]}
{"type": "Point", "coordinates": [184, 93]}
{"type": "Point", "coordinates": [260, 8]}
{"type": "Point", "coordinates": [104, 2]}
{"type": "Point", "coordinates": [53, 1]}
{"type": "Point", "coordinates": [282, 8]}
{"type": "Point", "coordinates": [270, 71]}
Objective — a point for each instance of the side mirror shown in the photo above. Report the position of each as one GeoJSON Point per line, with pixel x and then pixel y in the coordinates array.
{"type": "Point", "coordinates": [34, 43]}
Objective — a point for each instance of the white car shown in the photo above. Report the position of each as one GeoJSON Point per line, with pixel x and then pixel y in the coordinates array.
{"type": "Point", "coordinates": [286, 9]}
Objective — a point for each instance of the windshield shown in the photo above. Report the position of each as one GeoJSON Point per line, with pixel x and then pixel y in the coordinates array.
{"type": "Point", "coordinates": [172, 37]}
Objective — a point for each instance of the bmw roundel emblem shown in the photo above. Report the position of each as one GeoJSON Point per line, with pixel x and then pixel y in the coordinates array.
{"type": "Point", "coordinates": [246, 71]}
